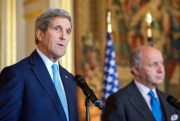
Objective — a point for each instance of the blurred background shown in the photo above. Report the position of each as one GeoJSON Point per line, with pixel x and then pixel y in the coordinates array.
{"type": "Point", "coordinates": [133, 23]}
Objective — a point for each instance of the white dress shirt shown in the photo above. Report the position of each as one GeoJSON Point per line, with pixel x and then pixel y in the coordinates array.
{"type": "Point", "coordinates": [144, 91]}
{"type": "Point", "coordinates": [48, 64]}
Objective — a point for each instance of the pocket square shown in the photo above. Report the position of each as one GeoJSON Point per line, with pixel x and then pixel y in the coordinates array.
{"type": "Point", "coordinates": [174, 117]}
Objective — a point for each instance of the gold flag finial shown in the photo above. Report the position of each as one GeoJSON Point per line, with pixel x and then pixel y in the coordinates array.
{"type": "Point", "coordinates": [109, 27]}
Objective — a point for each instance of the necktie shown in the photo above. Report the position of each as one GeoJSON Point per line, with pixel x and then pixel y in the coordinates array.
{"type": "Point", "coordinates": [156, 107]}
{"type": "Point", "coordinates": [59, 89]}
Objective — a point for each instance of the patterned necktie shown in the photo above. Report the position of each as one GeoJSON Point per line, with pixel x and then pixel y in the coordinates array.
{"type": "Point", "coordinates": [156, 107]}
{"type": "Point", "coordinates": [59, 89]}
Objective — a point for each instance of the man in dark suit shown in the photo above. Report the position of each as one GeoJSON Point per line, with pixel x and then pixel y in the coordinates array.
{"type": "Point", "coordinates": [134, 103]}
{"type": "Point", "coordinates": [27, 89]}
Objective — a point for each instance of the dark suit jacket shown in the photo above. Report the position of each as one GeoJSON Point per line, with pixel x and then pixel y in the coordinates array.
{"type": "Point", "coordinates": [27, 93]}
{"type": "Point", "coordinates": [128, 104]}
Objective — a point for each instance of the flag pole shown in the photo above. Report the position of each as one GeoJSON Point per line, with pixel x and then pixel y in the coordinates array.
{"type": "Point", "coordinates": [111, 80]}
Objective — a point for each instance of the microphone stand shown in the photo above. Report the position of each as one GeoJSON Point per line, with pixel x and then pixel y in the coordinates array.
{"type": "Point", "coordinates": [87, 109]}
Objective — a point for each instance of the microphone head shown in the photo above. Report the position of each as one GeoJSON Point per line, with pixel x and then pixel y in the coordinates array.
{"type": "Point", "coordinates": [79, 80]}
{"type": "Point", "coordinates": [87, 91]}
{"type": "Point", "coordinates": [171, 99]}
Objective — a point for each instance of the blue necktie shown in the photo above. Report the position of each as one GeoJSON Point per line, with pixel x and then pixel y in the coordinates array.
{"type": "Point", "coordinates": [156, 107]}
{"type": "Point", "coordinates": [59, 89]}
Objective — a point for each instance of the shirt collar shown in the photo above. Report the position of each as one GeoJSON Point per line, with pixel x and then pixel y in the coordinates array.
{"type": "Point", "coordinates": [45, 59]}
{"type": "Point", "coordinates": [143, 89]}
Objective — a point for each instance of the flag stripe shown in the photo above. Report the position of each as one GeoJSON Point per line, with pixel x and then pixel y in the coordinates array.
{"type": "Point", "coordinates": [111, 80]}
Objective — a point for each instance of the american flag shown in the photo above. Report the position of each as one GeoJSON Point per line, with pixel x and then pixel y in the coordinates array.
{"type": "Point", "coordinates": [111, 81]}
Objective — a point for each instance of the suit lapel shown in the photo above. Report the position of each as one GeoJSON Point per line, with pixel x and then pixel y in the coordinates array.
{"type": "Point", "coordinates": [65, 77]}
{"type": "Point", "coordinates": [139, 102]}
{"type": "Point", "coordinates": [164, 105]}
{"type": "Point", "coordinates": [45, 80]}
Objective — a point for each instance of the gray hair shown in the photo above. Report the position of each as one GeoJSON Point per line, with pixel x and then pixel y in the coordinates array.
{"type": "Point", "coordinates": [135, 58]}
{"type": "Point", "coordinates": [43, 21]}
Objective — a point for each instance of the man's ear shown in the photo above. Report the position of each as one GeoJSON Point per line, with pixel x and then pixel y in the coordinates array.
{"type": "Point", "coordinates": [39, 34]}
{"type": "Point", "coordinates": [135, 70]}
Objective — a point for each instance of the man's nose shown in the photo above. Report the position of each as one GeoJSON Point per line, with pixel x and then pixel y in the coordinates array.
{"type": "Point", "coordinates": [160, 68]}
{"type": "Point", "coordinates": [63, 35]}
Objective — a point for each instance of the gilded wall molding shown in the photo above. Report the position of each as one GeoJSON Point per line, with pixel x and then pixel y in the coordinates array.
{"type": "Point", "coordinates": [26, 2]}
{"type": "Point", "coordinates": [33, 14]}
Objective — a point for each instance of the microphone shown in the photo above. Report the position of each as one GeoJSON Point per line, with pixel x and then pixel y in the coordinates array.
{"type": "Point", "coordinates": [87, 91]}
{"type": "Point", "coordinates": [173, 101]}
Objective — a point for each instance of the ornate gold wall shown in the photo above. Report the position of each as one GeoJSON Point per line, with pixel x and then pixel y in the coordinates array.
{"type": "Point", "coordinates": [90, 35]}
